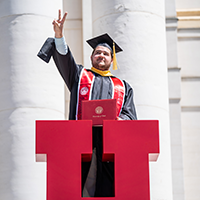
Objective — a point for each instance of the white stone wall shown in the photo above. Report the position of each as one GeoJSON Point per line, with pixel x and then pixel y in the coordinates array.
{"type": "Point", "coordinates": [188, 54]}
{"type": "Point", "coordinates": [187, 4]}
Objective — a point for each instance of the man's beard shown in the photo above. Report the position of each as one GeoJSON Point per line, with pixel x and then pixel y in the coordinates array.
{"type": "Point", "coordinates": [100, 66]}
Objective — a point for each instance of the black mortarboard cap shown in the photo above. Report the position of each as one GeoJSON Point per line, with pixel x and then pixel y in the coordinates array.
{"type": "Point", "coordinates": [103, 39]}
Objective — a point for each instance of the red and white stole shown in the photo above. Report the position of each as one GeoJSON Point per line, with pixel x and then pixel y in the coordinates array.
{"type": "Point", "coordinates": [85, 90]}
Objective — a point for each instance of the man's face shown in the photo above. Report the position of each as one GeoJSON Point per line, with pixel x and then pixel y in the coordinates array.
{"type": "Point", "coordinates": [101, 58]}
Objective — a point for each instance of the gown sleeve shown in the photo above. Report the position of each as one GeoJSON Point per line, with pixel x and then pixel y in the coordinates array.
{"type": "Point", "coordinates": [128, 111]}
{"type": "Point", "coordinates": [66, 64]}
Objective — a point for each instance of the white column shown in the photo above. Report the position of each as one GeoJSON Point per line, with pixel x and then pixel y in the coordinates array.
{"type": "Point", "coordinates": [139, 28]}
{"type": "Point", "coordinates": [30, 90]}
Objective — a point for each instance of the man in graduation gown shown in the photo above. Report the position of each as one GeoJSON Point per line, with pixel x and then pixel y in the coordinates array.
{"type": "Point", "coordinates": [97, 176]}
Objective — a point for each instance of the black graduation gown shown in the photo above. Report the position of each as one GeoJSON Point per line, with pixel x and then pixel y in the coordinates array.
{"type": "Point", "coordinates": [102, 89]}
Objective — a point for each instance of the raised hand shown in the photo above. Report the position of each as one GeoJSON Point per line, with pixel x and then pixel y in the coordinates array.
{"type": "Point", "coordinates": [59, 24]}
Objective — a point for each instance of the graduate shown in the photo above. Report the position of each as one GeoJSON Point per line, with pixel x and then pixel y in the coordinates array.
{"type": "Point", "coordinates": [93, 84]}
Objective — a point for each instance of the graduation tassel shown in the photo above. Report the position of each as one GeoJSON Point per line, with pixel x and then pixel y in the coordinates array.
{"type": "Point", "coordinates": [114, 58]}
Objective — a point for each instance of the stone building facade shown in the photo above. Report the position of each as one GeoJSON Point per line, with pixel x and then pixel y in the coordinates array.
{"type": "Point", "coordinates": [161, 43]}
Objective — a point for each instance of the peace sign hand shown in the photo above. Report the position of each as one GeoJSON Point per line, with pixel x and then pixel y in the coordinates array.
{"type": "Point", "coordinates": [58, 24]}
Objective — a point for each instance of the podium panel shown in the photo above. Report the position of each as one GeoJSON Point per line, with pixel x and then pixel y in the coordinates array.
{"type": "Point", "coordinates": [134, 144]}
{"type": "Point", "coordinates": [63, 144]}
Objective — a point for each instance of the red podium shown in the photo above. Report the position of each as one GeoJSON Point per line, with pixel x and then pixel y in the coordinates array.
{"type": "Point", "coordinates": [63, 145]}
